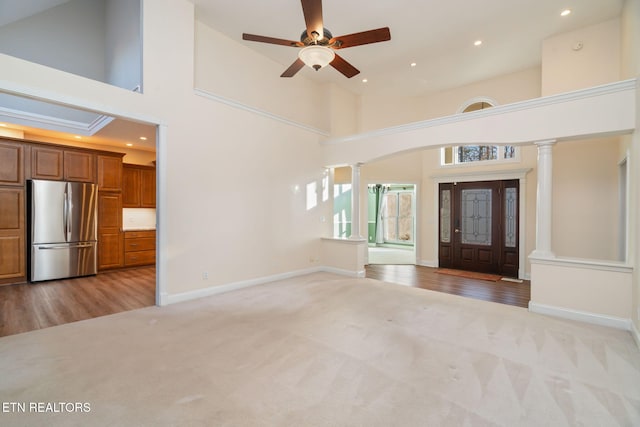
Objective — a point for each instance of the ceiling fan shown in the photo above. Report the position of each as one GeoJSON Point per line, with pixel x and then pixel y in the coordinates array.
{"type": "Point", "coordinates": [318, 44]}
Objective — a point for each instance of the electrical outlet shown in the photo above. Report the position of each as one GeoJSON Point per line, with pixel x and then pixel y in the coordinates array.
{"type": "Point", "coordinates": [205, 275]}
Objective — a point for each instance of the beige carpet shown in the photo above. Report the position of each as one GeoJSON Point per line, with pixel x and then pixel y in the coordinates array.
{"type": "Point", "coordinates": [323, 350]}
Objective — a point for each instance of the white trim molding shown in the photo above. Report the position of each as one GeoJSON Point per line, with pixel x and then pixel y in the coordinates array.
{"type": "Point", "coordinates": [602, 265]}
{"type": "Point", "coordinates": [636, 334]}
{"type": "Point", "coordinates": [234, 286]}
{"type": "Point", "coordinates": [499, 175]}
{"type": "Point", "coordinates": [25, 118]}
{"type": "Point", "coordinates": [239, 105]}
{"type": "Point", "coordinates": [605, 89]}
{"type": "Point", "coordinates": [581, 316]}
{"type": "Point", "coordinates": [428, 263]}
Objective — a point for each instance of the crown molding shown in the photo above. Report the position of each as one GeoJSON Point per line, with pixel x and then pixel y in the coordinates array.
{"type": "Point", "coordinates": [258, 111]}
{"type": "Point", "coordinates": [54, 123]}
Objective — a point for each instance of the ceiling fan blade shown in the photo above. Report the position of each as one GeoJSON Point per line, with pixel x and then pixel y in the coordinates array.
{"type": "Point", "coordinates": [312, 10]}
{"type": "Point", "coordinates": [271, 40]}
{"type": "Point", "coordinates": [344, 67]}
{"type": "Point", "coordinates": [293, 68]}
{"type": "Point", "coordinates": [365, 37]}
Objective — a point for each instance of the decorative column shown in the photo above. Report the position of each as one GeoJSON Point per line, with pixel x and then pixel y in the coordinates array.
{"type": "Point", "coordinates": [355, 201]}
{"type": "Point", "coordinates": [544, 200]}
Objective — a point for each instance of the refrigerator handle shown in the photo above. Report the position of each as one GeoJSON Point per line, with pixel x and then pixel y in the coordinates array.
{"type": "Point", "coordinates": [65, 221]}
{"type": "Point", "coordinates": [67, 211]}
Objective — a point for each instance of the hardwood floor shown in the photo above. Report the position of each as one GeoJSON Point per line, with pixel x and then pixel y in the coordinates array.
{"type": "Point", "coordinates": [510, 293]}
{"type": "Point", "coordinates": [28, 307]}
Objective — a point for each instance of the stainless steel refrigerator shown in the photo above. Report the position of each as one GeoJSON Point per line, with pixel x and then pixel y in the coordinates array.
{"type": "Point", "coordinates": [62, 229]}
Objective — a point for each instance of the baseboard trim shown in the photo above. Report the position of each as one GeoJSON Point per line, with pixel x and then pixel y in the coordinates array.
{"type": "Point", "coordinates": [167, 299]}
{"type": "Point", "coordinates": [582, 316]}
{"type": "Point", "coordinates": [636, 334]}
{"type": "Point", "coordinates": [348, 273]}
{"type": "Point", "coordinates": [428, 263]}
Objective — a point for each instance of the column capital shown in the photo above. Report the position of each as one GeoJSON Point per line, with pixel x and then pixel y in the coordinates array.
{"type": "Point", "coordinates": [546, 142]}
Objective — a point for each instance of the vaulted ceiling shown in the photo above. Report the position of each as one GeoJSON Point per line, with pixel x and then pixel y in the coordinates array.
{"type": "Point", "coordinates": [438, 36]}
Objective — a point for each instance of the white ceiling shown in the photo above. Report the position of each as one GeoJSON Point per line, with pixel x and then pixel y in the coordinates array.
{"type": "Point", "coordinates": [437, 35]}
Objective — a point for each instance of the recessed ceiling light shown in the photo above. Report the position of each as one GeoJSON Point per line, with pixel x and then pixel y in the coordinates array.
{"type": "Point", "coordinates": [413, 64]}
{"type": "Point", "coordinates": [129, 144]}
{"type": "Point", "coordinates": [3, 125]}
{"type": "Point", "coordinates": [477, 42]}
{"type": "Point", "coordinates": [143, 138]}
{"type": "Point", "coordinates": [565, 12]}
{"type": "Point", "coordinates": [364, 80]}
{"type": "Point", "coordinates": [77, 137]}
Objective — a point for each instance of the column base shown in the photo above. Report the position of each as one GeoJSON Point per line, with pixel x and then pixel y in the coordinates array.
{"type": "Point", "coordinates": [537, 253]}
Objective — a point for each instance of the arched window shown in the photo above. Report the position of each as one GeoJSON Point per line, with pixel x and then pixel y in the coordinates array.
{"type": "Point", "coordinates": [463, 154]}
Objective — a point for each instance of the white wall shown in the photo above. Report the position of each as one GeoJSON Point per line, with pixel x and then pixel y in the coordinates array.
{"type": "Point", "coordinates": [505, 89]}
{"type": "Point", "coordinates": [222, 62]}
{"type": "Point", "coordinates": [343, 110]}
{"type": "Point", "coordinates": [377, 112]}
{"type": "Point", "coordinates": [567, 67]}
{"type": "Point", "coordinates": [585, 199]}
{"type": "Point", "coordinates": [630, 67]}
{"type": "Point", "coordinates": [69, 37]}
{"type": "Point", "coordinates": [123, 44]}
{"type": "Point", "coordinates": [228, 202]}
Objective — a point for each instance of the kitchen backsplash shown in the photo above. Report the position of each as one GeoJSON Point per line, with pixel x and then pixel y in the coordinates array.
{"type": "Point", "coordinates": [138, 219]}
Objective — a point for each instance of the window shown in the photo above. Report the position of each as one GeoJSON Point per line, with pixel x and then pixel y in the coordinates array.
{"type": "Point", "coordinates": [342, 210]}
{"type": "Point", "coordinates": [397, 217]}
{"type": "Point", "coordinates": [463, 154]}
{"type": "Point", "coordinates": [477, 153]}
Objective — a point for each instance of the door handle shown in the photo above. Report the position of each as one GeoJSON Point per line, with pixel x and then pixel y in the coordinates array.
{"type": "Point", "coordinates": [81, 245]}
{"type": "Point", "coordinates": [457, 230]}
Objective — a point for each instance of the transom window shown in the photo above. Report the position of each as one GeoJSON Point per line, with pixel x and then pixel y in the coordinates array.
{"type": "Point", "coordinates": [464, 154]}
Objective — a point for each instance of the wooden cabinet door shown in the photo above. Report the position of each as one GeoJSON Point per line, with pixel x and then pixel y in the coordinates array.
{"type": "Point", "coordinates": [110, 236]}
{"type": "Point", "coordinates": [148, 188]}
{"type": "Point", "coordinates": [11, 163]}
{"type": "Point", "coordinates": [46, 163]}
{"type": "Point", "coordinates": [109, 173]}
{"type": "Point", "coordinates": [130, 187]}
{"type": "Point", "coordinates": [12, 235]}
{"type": "Point", "coordinates": [79, 166]}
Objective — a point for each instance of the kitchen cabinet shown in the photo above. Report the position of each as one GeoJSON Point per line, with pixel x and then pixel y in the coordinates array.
{"type": "Point", "coordinates": [148, 188]}
{"type": "Point", "coordinates": [47, 163]}
{"type": "Point", "coordinates": [139, 248]}
{"type": "Point", "coordinates": [58, 164]}
{"type": "Point", "coordinates": [138, 186]}
{"type": "Point", "coordinates": [21, 160]}
{"type": "Point", "coordinates": [79, 166]}
{"type": "Point", "coordinates": [12, 235]}
{"type": "Point", "coordinates": [110, 236]}
{"type": "Point", "coordinates": [11, 163]}
{"type": "Point", "coordinates": [12, 213]}
{"type": "Point", "coordinates": [110, 172]}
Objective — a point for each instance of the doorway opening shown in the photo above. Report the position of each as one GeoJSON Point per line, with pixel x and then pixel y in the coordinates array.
{"type": "Point", "coordinates": [391, 223]}
{"type": "Point", "coordinates": [479, 226]}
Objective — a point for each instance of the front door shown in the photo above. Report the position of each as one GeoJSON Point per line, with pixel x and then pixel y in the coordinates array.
{"type": "Point", "coordinates": [479, 226]}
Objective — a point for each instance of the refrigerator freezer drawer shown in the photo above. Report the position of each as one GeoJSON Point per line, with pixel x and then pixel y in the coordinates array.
{"type": "Point", "coordinates": [61, 260]}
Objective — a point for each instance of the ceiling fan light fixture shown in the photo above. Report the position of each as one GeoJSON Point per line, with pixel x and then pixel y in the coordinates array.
{"type": "Point", "coordinates": [316, 57]}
